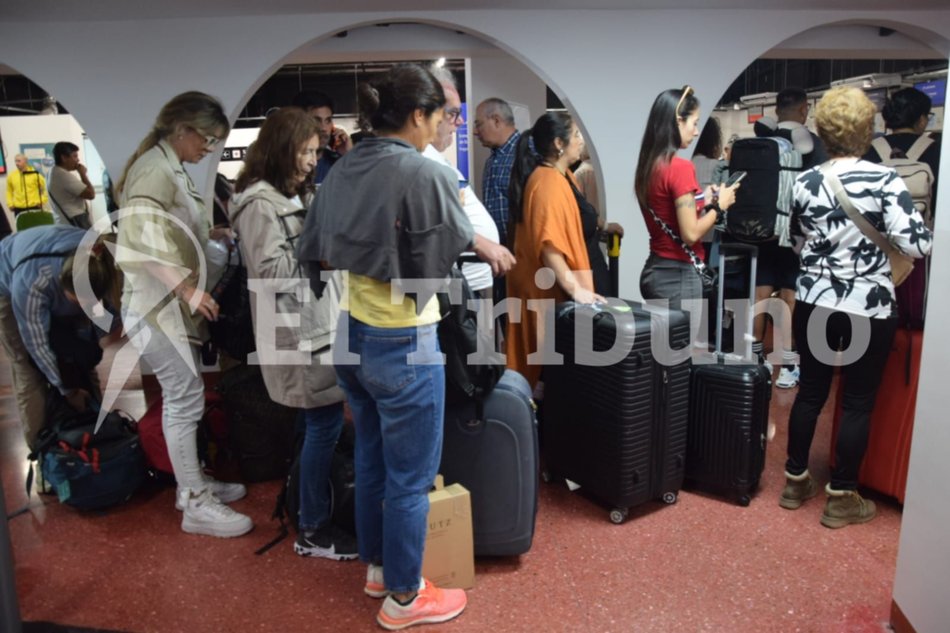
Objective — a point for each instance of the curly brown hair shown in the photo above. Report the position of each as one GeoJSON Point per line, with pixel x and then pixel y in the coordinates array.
{"type": "Point", "coordinates": [845, 121]}
{"type": "Point", "coordinates": [273, 156]}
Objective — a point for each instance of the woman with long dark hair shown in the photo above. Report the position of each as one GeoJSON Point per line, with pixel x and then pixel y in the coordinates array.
{"type": "Point", "coordinates": [164, 229]}
{"type": "Point", "coordinates": [546, 232]}
{"type": "Point", "coordinates": [672, 202]}
{"type": "Point", "coordinates": [388, 216]}
{"type": "Point", "coordinates": [268, 217]}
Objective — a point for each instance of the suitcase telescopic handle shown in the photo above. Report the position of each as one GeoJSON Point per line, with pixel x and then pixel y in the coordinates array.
{"type": "Point", "coordinates": [753, 252]}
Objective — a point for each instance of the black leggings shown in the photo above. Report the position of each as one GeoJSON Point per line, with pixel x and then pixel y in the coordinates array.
{"type": "Point", "coordinates": [861, 381]}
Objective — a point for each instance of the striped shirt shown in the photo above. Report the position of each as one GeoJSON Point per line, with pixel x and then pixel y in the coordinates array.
{"type": "Point", "coordinates": [495, 183]}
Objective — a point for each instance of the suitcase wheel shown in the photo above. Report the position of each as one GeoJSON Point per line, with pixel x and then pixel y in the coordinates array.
{"type": "Point", "coordinates": [670, 498]}
{"type": "Point", "coordinates": [618, 515]}
{"type": "Point", "coordinates": [745, 500]}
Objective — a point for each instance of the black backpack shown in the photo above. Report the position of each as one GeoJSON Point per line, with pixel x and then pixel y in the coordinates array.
{"type": "Point", "coordinates": [763, 202]}
{"type": "Point", "coordinates": [459, 336]}
{"type": "Point", "coordinates": [88, 469]}
{"type": "Point", "coordinates": [342, 490]}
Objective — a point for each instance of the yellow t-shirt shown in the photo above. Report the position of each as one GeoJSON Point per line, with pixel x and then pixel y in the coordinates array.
{"type": "Point", "coordinates": [370, 301]}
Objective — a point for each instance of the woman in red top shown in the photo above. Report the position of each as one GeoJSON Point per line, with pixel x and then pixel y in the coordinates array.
{"type": "Point", "coordinates": [672, 202]}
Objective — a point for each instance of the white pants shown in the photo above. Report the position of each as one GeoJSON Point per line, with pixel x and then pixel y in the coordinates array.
{"type": "Point", "coordinates": [183, 397]}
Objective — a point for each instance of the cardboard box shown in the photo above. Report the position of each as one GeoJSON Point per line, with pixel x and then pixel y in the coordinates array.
{"type": "Point", "coordinates": [449, 559]}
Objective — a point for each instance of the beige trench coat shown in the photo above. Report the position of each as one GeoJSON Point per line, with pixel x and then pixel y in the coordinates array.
{"type": "Point", "coordinates": [267, 224]}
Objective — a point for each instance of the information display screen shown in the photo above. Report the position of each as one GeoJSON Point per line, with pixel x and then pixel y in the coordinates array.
{"type": "Point", "coordinates": [936, 90]}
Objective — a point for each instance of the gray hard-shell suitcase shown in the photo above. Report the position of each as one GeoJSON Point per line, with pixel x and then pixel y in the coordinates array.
{"type": "Point", "coordinates": [618, 430]}
{"type": "Point", "coordinates": [495, 456]}
{"type": "Point", "coordinates": [729, 408]}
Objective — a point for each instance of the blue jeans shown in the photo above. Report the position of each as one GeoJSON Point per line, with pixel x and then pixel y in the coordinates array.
{"type": "Point", "coordinates": [322, 431]}
{"type": "Point", "coordinates": [398, 408]}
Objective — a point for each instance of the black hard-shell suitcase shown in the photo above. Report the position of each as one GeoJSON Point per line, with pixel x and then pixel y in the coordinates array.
{"type": "Point", "coordinates": [495, 456]}
{"type": "Point", "coordinates": [729, 408]}
{"type": "Point", "coordinates": [618, 430]}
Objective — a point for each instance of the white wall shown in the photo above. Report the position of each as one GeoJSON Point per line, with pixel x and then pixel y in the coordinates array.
{"type": "Point", "coordinates": [607, 65]}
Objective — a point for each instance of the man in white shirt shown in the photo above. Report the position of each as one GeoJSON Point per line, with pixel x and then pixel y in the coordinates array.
{"type": "Point", "coordinates": [67, 192]}
{"type": "Point", "coordinates": [479, 276]}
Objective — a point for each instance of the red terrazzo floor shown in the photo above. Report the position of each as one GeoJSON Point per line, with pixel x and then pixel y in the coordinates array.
{"type": "Point", "coordinates": [700, 565]}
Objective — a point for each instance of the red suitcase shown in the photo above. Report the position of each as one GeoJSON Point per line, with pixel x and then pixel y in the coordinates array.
{"type": "Point", "coordinates": [885, 463]}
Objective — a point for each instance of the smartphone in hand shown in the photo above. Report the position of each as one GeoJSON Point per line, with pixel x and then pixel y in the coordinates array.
{"type": "Point", "coordinates": [734, 178]}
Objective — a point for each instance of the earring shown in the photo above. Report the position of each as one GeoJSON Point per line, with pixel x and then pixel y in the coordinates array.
{"type": "Point", "coordinates": [560, 153]}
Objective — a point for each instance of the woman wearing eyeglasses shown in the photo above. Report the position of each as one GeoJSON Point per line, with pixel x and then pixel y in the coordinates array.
{"type": "Point", "coordinates": [676, 211]}
{"type": "Point", "coordinates": [163, 231]}
{"type": "Point", "coordinates": [546, 233]}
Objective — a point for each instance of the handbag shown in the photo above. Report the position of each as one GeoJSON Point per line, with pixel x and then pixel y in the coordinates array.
{"type": "Point", "coordinates": [708, 277]}
{"type": "Point", "coordinates": [901, 264]}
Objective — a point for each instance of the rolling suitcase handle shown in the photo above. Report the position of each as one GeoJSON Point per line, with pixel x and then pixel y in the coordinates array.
{"type": "Point", "coordinates": [753, 252]}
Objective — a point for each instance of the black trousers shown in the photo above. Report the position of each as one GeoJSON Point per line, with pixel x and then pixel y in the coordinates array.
{"type": "Point", "coordinates": [861, 381]}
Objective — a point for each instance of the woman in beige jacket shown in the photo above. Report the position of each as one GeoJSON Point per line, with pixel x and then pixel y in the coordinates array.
{"type": "Point", "coordinates": [163, 233]}
{"type": "Point", "coordinates": [292, 327]}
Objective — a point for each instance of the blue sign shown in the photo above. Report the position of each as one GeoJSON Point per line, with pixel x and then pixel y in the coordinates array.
{"type": "Point", "coordinates": [461, 143]}
{"type": "Point", "coordinates": [936, 90]}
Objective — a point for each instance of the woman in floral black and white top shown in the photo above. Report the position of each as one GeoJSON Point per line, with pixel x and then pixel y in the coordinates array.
{"type": "Point", "coordinates": [846, 292]}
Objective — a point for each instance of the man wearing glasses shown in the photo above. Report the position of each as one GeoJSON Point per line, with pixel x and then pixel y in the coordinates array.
{"type": "Point", "coordinates": [479, 275]}
{"type": "Point", "coordinates": [334, 141]}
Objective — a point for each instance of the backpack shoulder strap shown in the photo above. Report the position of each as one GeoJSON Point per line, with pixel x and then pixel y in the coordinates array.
{"type": "Point", "coordinates": [883, 148]}
{"type": "Point", "coordinates": [919, 147]}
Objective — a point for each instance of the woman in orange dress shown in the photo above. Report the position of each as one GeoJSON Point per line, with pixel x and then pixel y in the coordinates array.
{"type": "Point", "coordinates": [547, 239]}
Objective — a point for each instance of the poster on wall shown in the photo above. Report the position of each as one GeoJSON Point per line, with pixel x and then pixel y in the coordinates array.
{"type": "Point", "coordinates": [40, 156]}
{"type": "Point", "coordinates": [3, 161]}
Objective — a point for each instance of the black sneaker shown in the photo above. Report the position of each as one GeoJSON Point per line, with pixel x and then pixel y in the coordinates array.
{"type": "Point", "coordinates": [327, 542]}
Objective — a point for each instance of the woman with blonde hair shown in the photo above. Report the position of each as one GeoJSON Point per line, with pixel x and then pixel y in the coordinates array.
{"type": "Point", "coordinates": [841, 211]}
{"type": "Point", "coordinates": [268, 216]}
{"type": "Point", "coordinates": [163, 232]}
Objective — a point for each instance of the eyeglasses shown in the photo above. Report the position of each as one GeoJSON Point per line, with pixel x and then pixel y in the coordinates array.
{"type": "Point", "coordinates": [210, 139]}
{"type": "Point", "coordinates": [453, 115]}
{"type": "Point", "coordinates": [687, 90]}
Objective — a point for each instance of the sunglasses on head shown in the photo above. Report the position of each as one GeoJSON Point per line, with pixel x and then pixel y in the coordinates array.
{"type": "Point", "coordinates": [687, 90]}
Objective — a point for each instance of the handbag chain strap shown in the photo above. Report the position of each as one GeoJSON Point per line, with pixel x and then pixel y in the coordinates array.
{"type": "Point", "coordinates": [698, 263]}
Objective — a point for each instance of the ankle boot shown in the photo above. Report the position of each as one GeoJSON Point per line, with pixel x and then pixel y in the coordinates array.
{"type": "Point", "coordinates": [798, 489]}
{"type": "Point", "coordinates": [845, 507]}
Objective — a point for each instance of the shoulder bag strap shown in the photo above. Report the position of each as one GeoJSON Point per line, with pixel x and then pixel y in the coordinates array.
{"type": "Point", "coordinates": [859, 220]}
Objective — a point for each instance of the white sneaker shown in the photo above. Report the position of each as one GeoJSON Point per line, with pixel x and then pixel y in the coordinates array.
{"type": "Point", "coordinates": [205, 514]}
{"type": "Point", "coordinates": [788, 378]}
{"type": "Point", "coordinates": [224, 491]}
